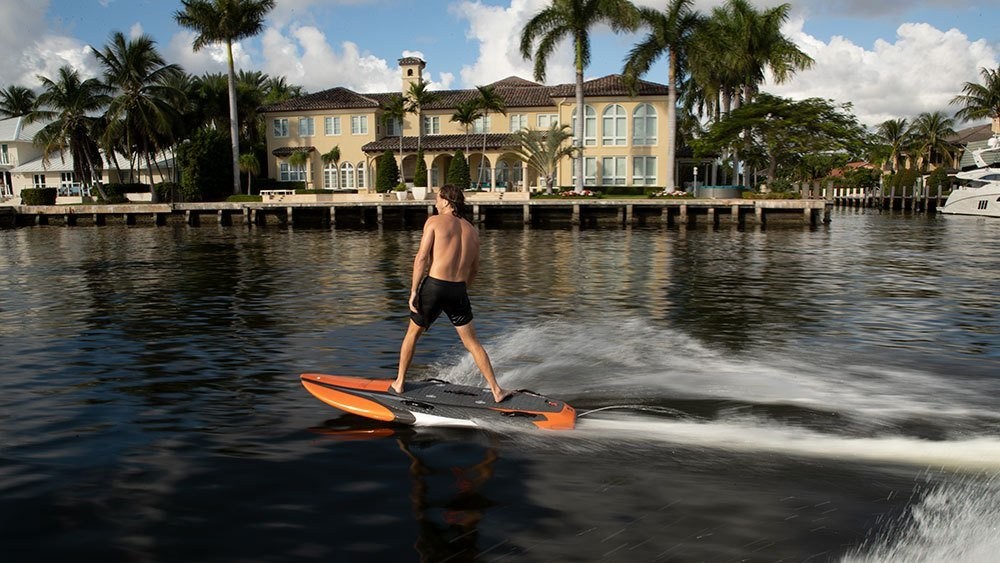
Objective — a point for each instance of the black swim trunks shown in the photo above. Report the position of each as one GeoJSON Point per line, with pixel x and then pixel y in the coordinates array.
{"type": "Point", "coordinates": [434, 296]}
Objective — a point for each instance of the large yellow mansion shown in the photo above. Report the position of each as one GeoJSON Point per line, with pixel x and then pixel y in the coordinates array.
{"type": "Point", "coordinates": [624, 136]}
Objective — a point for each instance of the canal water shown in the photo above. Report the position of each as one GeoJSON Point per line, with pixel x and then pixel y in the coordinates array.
{"type": "Point", "coordinates": [820, 394]}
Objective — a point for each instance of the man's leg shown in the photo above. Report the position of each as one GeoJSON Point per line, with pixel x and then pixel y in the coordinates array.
{"type": "Point", "coordinates": [406, 354]}
{"type": "Point", "coordinates": [467, 333]}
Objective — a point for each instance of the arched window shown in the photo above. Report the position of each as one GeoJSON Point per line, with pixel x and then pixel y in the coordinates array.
{"type": "Point", "coordinates": [613, 125]}
{"type": "Point", "coordinates": [347, 175]}
{"type": "Point", "coordinates": [589, 126]}
{"type": "Point", "coordinates": [330, 176]}
{"type": "Point", "coordinates": [361, 174]}
{"type": "Point", "coordinates": [644, 125]}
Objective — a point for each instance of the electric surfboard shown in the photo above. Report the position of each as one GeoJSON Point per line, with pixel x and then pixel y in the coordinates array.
{"type": "Point", "coordinates": [437, 403]}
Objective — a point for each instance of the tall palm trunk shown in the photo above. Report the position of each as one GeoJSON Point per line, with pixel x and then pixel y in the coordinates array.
{"type": "Point", "coordinates": [578, 187]}
{"type": "Point", "coordinates": [671, 119]}
{"type": "Point", "coordinates": [234, 132]}
{"type": "Point", "coordinates": [482, 157]}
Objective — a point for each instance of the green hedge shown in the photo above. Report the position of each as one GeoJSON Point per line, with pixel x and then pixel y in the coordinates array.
{"type": "Point", "coordinates": [771, 195]}
{"type": "Point", "coordinates": [39, 196]}
{"type": "Point", "coordinates": [243, 198]}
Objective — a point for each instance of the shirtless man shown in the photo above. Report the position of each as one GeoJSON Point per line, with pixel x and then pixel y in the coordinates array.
{"type": "Point", "coordinates": [446, 263]}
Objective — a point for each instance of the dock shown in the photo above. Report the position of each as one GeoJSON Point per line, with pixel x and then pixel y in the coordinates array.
{"type": "Point", "coordinates": [913, 200]}
{"type": "Point", "coordinates": [539, 212]}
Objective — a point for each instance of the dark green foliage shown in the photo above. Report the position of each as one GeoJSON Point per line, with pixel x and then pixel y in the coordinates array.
{"type": "Point", "coordinates": [388, 173]}
{"type": "Point", "coordinates": [38, 196]}
{"type": "Point", "coordinates": [243, 198]}
{"type": "Point", "coordinates": [168, 191]}
{"type": "Point", "coordinates": [861, 178]}
{"type": "Point", "coordinates": [938, 179]}
{"type": "Point", "coordinates": [420, 176]}
{"type": "Point", "coordinates": [627, 190]}
{"type": "Point", "coordinates": [458, 171]}
{"type": "Point", "coordinates": [202, 163]}
{"type": "Point", "coordinates": [114, 193]}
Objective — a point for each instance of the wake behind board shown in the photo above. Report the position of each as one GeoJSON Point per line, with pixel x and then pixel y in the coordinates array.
{"type": "Point", "coordinates": [437, 403]}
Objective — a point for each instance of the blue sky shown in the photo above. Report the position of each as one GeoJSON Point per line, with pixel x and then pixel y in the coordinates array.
{"type": "Point", "coordinates": [889, 58]}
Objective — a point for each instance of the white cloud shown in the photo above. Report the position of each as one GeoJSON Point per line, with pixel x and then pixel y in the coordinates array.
{"type": "Point", "coordinates": [211, 58]}
{"type": "Point", "coordinates": [135, 31]}
{"type": "Point", "coordinates": [24, 31]}
{"type": "Point", "coordinates": [922, 70]}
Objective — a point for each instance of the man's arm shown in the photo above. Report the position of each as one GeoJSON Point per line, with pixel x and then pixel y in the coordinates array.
{"type": "Point", "coordinates": [422, 261]}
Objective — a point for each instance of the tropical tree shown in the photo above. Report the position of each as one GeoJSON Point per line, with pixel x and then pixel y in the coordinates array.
{"type": "Point", "coordinates": [930, 134]}
{"type": "Point", "coordinates": [980, 101]}
{"type": "Point", "coordinates": [333, 156]}
{"type": "Point", "coordinates": [387, 175]}
{"type": "Point", "coordinates": [394, 110]}
{"type": "Point", "coordinates": [225, 21]}
{"type": "Point", "coordinates": [488, 100]}
{"type": "Point", "coordinates": [417, 97]}
{"type": "Point", "coordinates": [573, 19]}
{"type": "Point", "coordinates": [541, 151]}
{"type": "Point", "coordinates": [250, 165]}
{"type": "Point", "coordinates": [466, 113]}
{"type": "Point", "coordinates": [143, 113]}
{"type": "Point", "coordinates": [70, 104]}
{"type": "Point", "coordinates": [16, 101]}
{"type": "Point", "coordinates": [301, 158]}
{"type": "Point", "coordinates": [895, 135]}
{"type": "Point", "coordinates": [670, 32]}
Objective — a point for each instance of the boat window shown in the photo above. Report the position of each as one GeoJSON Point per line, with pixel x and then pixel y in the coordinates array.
{"type": "Point", "coordinates": [990, 177]}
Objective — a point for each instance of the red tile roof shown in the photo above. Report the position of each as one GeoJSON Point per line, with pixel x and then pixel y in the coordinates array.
{"type": "Point", "coordinates": [439, 143]}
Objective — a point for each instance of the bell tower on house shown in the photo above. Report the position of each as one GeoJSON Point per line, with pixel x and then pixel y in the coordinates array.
{"type": "Point", "coordinates": [413, 71]}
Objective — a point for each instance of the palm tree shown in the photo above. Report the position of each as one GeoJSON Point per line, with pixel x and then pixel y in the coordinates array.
{"type": "Point", "coordinates": [895, 134]}
{"type": "Point", "coordinates": [144, 110]}
{"type": "Point", "coordinates": [225, 21]}
{"type": "Point", "coordinates": [466, 113]}
{"type": "Point", "coordinates": [981, 101]}
{"type": "Point", "coordinates": [930, 136]}
{"type": "Point", "coordinates": [488, 100]}
{"type": "Point", "coordinates": [573, 19]}
{"type": "Point", "coordinates": [394, 110]}
{"type": "Point", "coordinates": [418, 97]}
{"type": "Point", "coordinates": [69, 104]}
{"type": "Point", "coordinates": [669, 32]}
{"type": "Point", "coordinates": [16, 101]}
{"type": "Point", "coordinates": [333, 156]}
{"type": "Point", "coordinates": [542, 150]}
{"type": "Point", "coordinates": [250, 165]}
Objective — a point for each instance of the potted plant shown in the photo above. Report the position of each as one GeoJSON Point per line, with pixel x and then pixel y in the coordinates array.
{"type": "Point", "coordinates": [400, 190]}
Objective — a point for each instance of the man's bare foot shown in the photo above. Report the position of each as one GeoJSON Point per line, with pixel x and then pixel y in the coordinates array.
{"type": "Point", "coordinates": [502, 395]}
{"type": "Point", "coordinates": [396, 387]}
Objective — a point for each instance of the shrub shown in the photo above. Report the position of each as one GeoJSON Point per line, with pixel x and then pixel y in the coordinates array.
{"type": "Point", "coordinates": [458, 171]}
{"type": "Point", "coordinates": [204, 176]}
{"type": "Point", "coordinates": [113, 193]}
{"type": "Point", "coordinates": [169, 191]}
{"type": "Point", "coordinates": [387, 175]}
{"type": "Point", "coordinates": [420, 176]}
{"type": "Point", "coordinates": [938, 179]}
{"type": "Point", "coordinates": [38, 196]}
{"type": "Point", "coordinates": [243, 198]}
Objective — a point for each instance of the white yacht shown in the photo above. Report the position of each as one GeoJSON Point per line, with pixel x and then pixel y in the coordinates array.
{"type": "Point", "coordinates": [979, 193]}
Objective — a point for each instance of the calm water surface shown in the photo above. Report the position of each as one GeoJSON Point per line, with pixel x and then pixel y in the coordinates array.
{"type": "Point", "coordinates": [795, 394]}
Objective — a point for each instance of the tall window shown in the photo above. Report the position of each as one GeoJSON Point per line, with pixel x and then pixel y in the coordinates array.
{"type": "Point", "coordinates": [359, 125]}
{"type": "Point", "coordinates": [518, 121]}
{"type": "Point", "coordinates": [361, 174]}
{"type": "Point", "coordinates": [545, 120]}
{"type": "Point", "coordinates": [644, 171]}
{"type": "Point", "coordinates": [330, 176]}
{"type": "Point", "coordinates": [331, 125]}
{"type": "Point", "coordinates": [644, 125]}
{"type": "Point", "coordinates": [280, 128]}
{"type": "Point", "coordinates": [432, 125]}
{"type": "Point", "coordinates": [613, 125]}
{"type": "Point", "coordinates": [4, 157]}
{"type": "Point", "coordinates": [613, 171]}
{"type": "Point", "coordinates": [291, 173]}
{"type": "Point", "coordinates": [347, 175]}
{"type": "Point", "coordinates": [307, 127]}
{"type": "Point", "coordinates": [589, 170]}
{"type": "Point", "coordinates": [589, 126]}
{"type": "Point", "coordinates": [393, 128]}
{"type": "Point", "coordinates": [482, 124]}
{"type": "Point", "coordinates": [38, 180]}
{"type": "Point", "coordinates": [67, 184]}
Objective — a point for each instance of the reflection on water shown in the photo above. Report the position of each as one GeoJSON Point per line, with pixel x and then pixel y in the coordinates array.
{"type": "Point", "coordinates": [758, 395]}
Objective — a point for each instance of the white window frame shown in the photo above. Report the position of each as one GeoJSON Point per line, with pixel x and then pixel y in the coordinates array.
{"type": "Point", "coordinates": [38, 181]}
{"type": "Point", "coordinates": [641, 168]}
{"type": "Point", "coordinates": [347, 176]}
{"type": "Point", "coordinates": [589, 127]}
{"type": "Point", "coordinates": [518, 121]}
{"type": "Point", "coordinates": [432, 124]}
{"type": "Point", "coordinates": [477, 125]}
{"type": "Point", "coordinates": [361, 174]}
{"type": "Point", "coordinates": [589, 170]}
{"type": "Point", "coordinates": [393, 128]}
{"type": "Point", "coordinates": [331, 176]}
{"type": "Point", "coordinates": [545, 120]}
{"type": "Point", "coordinates": [289, 173]}
{"type": "Point", "coordinates": [4, 154]}
{"type": "Point", "coordinates": [359, 125]}
{"type": "Point", "coordinates": [614, 125]}
{"type": "Point", "coordinates": [331, 126]}
{"type": "Point", "coordinates": [307, 127]}
{"type": "Point", "coordinates": [613, 171]}
{"type": "Point", "coordinates": [644, 126]}
{"type": "Point", "coordinates": [279, 127]}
